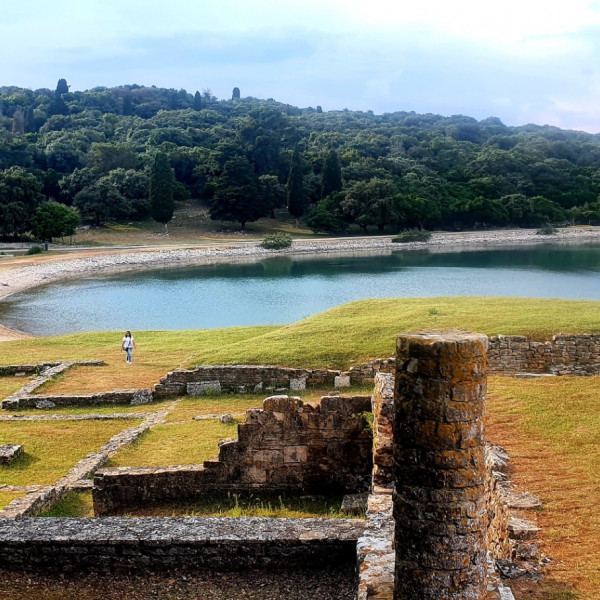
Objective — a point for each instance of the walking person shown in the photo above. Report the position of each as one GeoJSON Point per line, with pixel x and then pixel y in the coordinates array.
{"type": "Point", "coordinates": [128, 345]}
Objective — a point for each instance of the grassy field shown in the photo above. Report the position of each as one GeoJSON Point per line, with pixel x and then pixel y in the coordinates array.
{"type": "Point", "coordinates": [337, 338]}
{"type": "Point", "coordinates": [52, 448]}
{"type": "Point", "coordinates": [551, 429]}
{"type": "Point", "coordinates": [185, 444]}
{"type": "Point", "coordinates": [9, 385]}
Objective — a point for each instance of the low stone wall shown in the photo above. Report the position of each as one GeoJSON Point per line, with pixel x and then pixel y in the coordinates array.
{"type": "Point", "coordinates": [224, 544]}
{"type": "Point", "coordinates": [375, 551]}
{"type": "Point", "coordinates": [285, 446]}
{"type": "Point", "coordinates": [47, 371]}
{"type": "Point", "coordinates": [132, 397]}
{"type": "Point", "coordinates": [240, 378]}
{"type": "Point", "coordinates": [510, 354]}
{"type": "Point", "coordinates": [8, 370]}
{"type": "Point", "coordinates": [563, 355]}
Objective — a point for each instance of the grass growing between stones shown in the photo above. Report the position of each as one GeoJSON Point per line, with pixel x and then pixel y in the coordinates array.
{"type": "Point", "coordinates": [7, 497]}
{"type": "Point", "coordinates": [551, 429]}
{"type": "Point", "coordinates": [175, 444]}
{"type": "Point", "coordinates": [73, 504]}
{"type": "Point", "coordinates": [53, 448]}
{"type": "Point", "coordinates": [9, 385]}
{"type": "Point", "coordinates": [79, 504]}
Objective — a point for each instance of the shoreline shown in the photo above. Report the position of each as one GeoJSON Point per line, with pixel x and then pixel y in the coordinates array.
{"type": "Point", "coordinates": [106, 261]}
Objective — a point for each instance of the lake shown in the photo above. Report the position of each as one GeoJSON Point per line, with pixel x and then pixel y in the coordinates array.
{"type": "Point", "coordinates": [285, 289]}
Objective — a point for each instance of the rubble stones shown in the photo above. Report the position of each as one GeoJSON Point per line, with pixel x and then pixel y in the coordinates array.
{"type": "Point", "coordinates": [201, 388]}
{"type": "Point", "coordinates": [10, 452]}
{"type": "Point", "coordinates": [522, 529]}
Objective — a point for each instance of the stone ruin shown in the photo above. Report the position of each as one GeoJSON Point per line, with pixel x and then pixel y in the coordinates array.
{"type": "Point", "coordinates": [437, 518]}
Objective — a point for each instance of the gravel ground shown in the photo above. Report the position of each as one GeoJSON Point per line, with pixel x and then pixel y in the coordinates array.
{"type": "Point", "coordinates": [336, 583]}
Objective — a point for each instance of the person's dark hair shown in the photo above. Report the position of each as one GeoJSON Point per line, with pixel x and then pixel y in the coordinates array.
{"type": "Point", "coordinates": [128, 333]}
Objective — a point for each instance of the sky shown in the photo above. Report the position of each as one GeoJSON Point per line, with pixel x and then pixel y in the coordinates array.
{"type": "Point", "coordinates": [524, 61]}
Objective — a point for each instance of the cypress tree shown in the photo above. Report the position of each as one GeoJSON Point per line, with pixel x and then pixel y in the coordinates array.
{"type": "Point", "coordinates": [295, 186]}
{"type": "Point", "coordinates": [197, 101]}
{"type": "Point", "coordinates": [162, 204]}
{"type": "Point", "coordinates": [235, 95]}
{"type": "Point", "coordinates": [332, 175]}
{"type": "Point", "coordinates": [62, 87]}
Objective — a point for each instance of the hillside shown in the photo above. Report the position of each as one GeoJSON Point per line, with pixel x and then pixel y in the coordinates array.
{"type": "Point", "coordinates": [246, 158]}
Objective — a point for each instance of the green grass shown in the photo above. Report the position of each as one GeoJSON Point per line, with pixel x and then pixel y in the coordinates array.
{"type": "Point", "coordinates": [79, 504]}
{"type": "Point", "coordinates": [357, 331]}
{"type": "Point", "coordinates": [73, 504]}
{"type": "Point", "coordinates": [52, 448]}
{"type": "Point", "coordinates": [7, 497]}
{"type": "Point", "coordinates": [9, 385]}
{"type": "Point", "coordinates": [165, 445]}
{"type": "Point", "coordinates": [337, 338]}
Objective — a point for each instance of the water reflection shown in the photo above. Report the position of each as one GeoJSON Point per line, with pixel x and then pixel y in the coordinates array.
{"type": "Point", "coordinates": [283, 289]}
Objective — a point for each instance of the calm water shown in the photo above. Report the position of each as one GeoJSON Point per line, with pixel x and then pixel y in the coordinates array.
{"type": "Point", "coordinates": [283, 289]}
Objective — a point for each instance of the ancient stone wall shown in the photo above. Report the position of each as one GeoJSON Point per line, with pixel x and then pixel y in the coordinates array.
{"type": "Point", "coordinates": [510, 354]}
{"type": "Point", "coordinates": [133, 397]}
{"type": "Point", "coordinates": [8, 370]}
{"type": "Point", "coordinates": [285, 446]}
{"type": "Point", "coordinates": [223, 544]}
{"type": "Point", "coordinates": [243, 378]}
{"type": "Point", "coordinates": [383, 437]}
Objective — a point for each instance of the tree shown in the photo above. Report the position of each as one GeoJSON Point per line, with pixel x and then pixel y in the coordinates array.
{"type": "Point", "coordinates": [296, 202]}
{"type": "Point", "coordinates": [52, 219]}
{"type": "Point", "coordinates": [20, 195]}
{"type": "Point", "coordinates": [331, 180]}
{"type": "Point", "coordinates": [235, 95]}
{"type": "Point", "coordinates": [272, 192]}
{"type": "Point", "coordinates": [236, 195]}
{"type": "Point", "coordinates": [197, 101]}
{"type": "Point", "coordinates": [62, 87]}
{"type": "Point", "coordinates": [162, 179]}
{"type": "Point", "coordinates": [327, 215]}
{"type": "Point", "coordinates": [18, 122]}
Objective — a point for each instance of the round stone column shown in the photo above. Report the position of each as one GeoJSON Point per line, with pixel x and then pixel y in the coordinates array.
{"type": "Point", "coordinates": [439, 466]}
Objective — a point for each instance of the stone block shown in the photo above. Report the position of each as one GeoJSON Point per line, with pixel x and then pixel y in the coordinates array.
{"type": "Point", "coordinates": [201, 388]}
{"type": "Point", "coordinates": [297, 383]}
{"type": "Point", "coordinates": [295, 454]}
{"type": "Point", "coordinates": [341, 381]}
{"type": "Point", "coordinates": [10, 452]}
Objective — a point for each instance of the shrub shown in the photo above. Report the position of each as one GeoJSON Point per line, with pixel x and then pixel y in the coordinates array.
{"type": "Point", "coordinates": [413, 235]}
{"type": "Point", "coordinates": [547, 230]}
{"type": "Point", "coordinates": [277, 241]}
{"type": "Point", "coordinates": [35, 250]}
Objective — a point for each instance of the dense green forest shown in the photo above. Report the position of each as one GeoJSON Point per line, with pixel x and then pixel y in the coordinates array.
{"type": "Point", "coordinates": [104, 155]}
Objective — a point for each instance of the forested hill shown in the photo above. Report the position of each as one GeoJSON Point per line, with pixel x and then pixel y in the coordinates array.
{"type": "Point", "coordinates": [244, 157]}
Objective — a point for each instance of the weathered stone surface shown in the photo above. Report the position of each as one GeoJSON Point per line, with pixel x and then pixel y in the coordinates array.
{"type": "Point", "coordinates": [522, 500]}
{"type": "Point", "coordinates": [383, 420]}
{"type": "Point", "coordinates": [200, 388]}
{"type": "Point", "coordinates": [10, 452]}
{"type": "Point", "coordinates": [45, 404]}
{"type": "Point", "coordinates": [285, 446]}
{"type": "Point", "coordinates": [375, 551]}
{"type": "Point", "coordinates": [355, 504]}
{"type": "Point", "coordinates": [297, 383]}
{"type": "Point", "coordinates": [522, 529]}
{"type": "Point", "coordinates": [224, 544]}
{"type": "Point", "coordinates": [231, 377]}
{"type": "Point", "coordinates": [226, 419]}
{"type": "Point", "coordinates": [143, 396]}
{"type": "Point", "coordinates": [440, 467]}
{"type": "Point", "coordinates": [341, 381]}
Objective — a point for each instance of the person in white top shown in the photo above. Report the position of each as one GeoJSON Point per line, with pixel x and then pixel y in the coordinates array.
{"type": "Point", "coordinates": [128, 345]}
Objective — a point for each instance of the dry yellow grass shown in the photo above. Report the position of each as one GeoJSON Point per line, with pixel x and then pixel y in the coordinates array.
{"type": "Point", "coordinates": [52, 448]}
{"type": "Point", "coordinates": [551, 429]}
{"type": "Point", "coordinates": [7, 497]}
{"type": "Point", "coordinates": [9, 385]}
{"type": "Point", "coordinates": [185, 444]}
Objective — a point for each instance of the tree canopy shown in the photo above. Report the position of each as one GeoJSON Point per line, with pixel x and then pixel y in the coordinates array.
{"type": "Point", "coordinates": [96, 150]}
